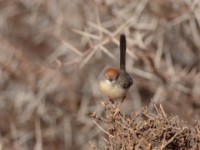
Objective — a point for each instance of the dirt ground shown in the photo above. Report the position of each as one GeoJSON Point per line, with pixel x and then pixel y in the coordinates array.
{"type": "Point", "coordinates": [53, 54]}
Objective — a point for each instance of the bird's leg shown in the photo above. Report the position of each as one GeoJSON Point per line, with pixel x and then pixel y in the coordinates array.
{"type": "Point", "coordinates": [110, 100]}
{"type": "Point", "coordinates": [119, 106]}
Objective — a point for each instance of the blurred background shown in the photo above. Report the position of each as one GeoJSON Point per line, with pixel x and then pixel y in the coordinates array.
{"type": "Point", "coordinates": [53, 53]}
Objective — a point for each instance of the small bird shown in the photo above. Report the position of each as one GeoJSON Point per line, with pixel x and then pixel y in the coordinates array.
{"type": "Point", "coordinates": [117, 81]}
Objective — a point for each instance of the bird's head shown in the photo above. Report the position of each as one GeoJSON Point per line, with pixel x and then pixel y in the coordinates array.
{"type": "Point", "coordinates": [111, 74]}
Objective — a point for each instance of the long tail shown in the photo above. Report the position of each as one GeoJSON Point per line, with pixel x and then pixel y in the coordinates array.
{"type": "Point", "coordinates": [122, 52]}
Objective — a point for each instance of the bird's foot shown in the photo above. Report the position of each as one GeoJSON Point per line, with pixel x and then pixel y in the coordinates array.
{"type": "Point", "coordinates": [116, 112]}
{"type": "Point", "coordinates": [111, 101]}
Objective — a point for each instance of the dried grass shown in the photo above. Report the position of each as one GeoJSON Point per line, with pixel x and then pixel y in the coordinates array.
{"type": "Point", "coordinates": [144, 130]}
{"type": "Point", "coordinates": [52, 54]}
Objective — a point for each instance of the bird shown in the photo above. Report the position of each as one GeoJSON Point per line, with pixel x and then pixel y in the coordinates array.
{"type": "Point", "coordinates": [117, 82]}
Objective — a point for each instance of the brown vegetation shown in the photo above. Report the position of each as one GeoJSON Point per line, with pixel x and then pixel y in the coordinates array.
{"type": "Point", "coordinates": [52, 54]}
{"type": "Point", "coordinates": [146, 131]}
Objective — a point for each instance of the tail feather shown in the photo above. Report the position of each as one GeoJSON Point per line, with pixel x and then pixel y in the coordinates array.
{"type": "Point", "coordinates": [122, 52]}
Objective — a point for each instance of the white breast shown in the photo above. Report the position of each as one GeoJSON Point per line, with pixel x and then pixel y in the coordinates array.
{"type": "Point", "coordinates": [112, 90]}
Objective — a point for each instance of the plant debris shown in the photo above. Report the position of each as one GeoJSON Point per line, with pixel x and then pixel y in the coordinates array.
{"type": "Point", "coordinates": [144, 130]}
